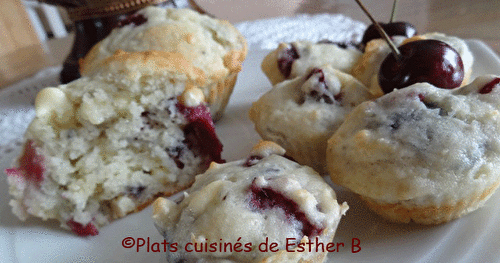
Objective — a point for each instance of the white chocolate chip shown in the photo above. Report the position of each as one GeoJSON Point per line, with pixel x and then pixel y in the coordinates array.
{"type": "Point", "coordinates": [260, 181]}
{"type": "Point", "coordinates": [122, 206]}
{"type": "Point", "coordinates": [192, 97]}
{"type": "Point", "coordinates": [53, 103]}
{"type": "Point", "coordinates": [309, 84]}
{"type": "Point", "coordinates": [164, 210]}
{"type": "Point", "coordinates": [333, 83]}
{"type": "Point", "coordinates": [202, 199]}
{"type": "Point", "coordinates": [214, 165]}
{"type": "Point", "coordinates": [266, 148]}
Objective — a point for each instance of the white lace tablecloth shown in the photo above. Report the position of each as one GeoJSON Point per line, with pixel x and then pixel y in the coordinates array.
{"type": "Point", "coordinates": [16, 101]}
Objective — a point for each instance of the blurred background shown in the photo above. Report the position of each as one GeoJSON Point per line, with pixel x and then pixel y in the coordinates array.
{"type": "Point", "coordinates": [35, 35]}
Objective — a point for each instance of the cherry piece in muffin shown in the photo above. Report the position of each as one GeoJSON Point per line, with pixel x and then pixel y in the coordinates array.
{"type": "Point", "coordinates": [102, 147]}
{"type": "Point", "coordinates": [274, 200]}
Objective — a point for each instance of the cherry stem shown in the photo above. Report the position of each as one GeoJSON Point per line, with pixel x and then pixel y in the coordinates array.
{"type": "Point", "coordinates": [381, 31]}
{"type": "Point", "coordinates": [393, 13]}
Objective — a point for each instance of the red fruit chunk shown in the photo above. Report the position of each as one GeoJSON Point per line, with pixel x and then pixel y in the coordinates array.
{"type": "Point", "coordinates": [430, 61]}
{"type": "Point", "coordinates": [200, 132]}
{"type": "Point", "coordinates": [31, 165]}
{"type": "Point", "coordinates": [252, 160]}
{"type": "Point", "coordinates": [489, 87]}
{"type": "Point", "coordinates": [317, 71]}
{"type": "Point", "coordinates": [268, 198]}
{"type": "Point", "coordinates": [321, 92]}
{"type": "Point", "coordinates": [83, 231]}
{"type": "Point", "coordinates": [286, 59]}
{"type": "Point", "coordinates": [136, 19]}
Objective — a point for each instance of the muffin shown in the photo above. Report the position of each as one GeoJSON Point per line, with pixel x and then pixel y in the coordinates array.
{"type": "Point", "coordinates": [368, 66]}
{"type": "Point", "coordinates": [104, 146]}
{"type": "Point", "coordinates": [421, 153]}
{"type": "Point", "coordinates": [264, 199]}
{"type": "Point", "coordinates": [294, 59]}
{"type": "Point", "coordinates": [214, 47]}
{"type": "Point", "coordinates": [303, 113]}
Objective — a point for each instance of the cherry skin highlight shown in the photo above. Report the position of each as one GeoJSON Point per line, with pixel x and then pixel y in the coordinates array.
{"type": "Point", "coordinates": [430, 61]}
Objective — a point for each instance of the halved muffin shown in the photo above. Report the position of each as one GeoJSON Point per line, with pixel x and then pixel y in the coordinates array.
{"type": "Point", "coordinates": [104, 146]}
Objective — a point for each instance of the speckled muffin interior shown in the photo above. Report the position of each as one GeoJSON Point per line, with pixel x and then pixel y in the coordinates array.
{"type": "Point", "coordinates": [104, 146]}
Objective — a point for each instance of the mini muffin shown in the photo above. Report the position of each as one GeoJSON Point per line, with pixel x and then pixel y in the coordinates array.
{"type": "Point", "coordinates": [368, 66]}
{"type": "Point", "coordinates": [294, 59]}
{"type": "Point", "coordinates": [421, 153]}
{"type": "Point", "coordinates": [105, 146]}
{"type": "Point", "coordinates": [265, 198]}
{"type": "Point", "coordinates": [216, 48]}
{"type": "Point", "coordinates": [303, 113]}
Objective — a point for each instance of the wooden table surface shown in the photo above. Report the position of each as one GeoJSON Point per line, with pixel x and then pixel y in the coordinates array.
{"type": "Point", "coordinates": [478, 19]}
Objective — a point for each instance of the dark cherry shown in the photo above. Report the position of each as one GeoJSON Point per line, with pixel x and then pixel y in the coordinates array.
{"type": "Point", "coordinates": [200, 132]}
{"type": "Point", "coordinates": [321, 92]}
{"type": "Point", "coordinates": [285, 60]}
{"type": "Point", "coordinates": [489, 86]}
{"type": "Point", "coordinates": [268, 198]}
{"type": "Point", "coordinates": [136, 19]}
{"type": "Point", "coordinates": [392, 29]}
{"type": "Point", "coordinates": [430, 61]}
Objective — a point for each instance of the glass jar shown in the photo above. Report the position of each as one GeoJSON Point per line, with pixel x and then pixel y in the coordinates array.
{"type": "Point", "coordinates": [93, 21]}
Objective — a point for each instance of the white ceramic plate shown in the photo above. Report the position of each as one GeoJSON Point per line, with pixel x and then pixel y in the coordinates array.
{"type": "Point", "coordinates": [473, 238]}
